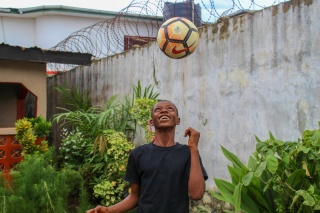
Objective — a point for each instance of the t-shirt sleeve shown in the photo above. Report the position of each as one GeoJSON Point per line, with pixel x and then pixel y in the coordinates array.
{"type": "Point", "coordinates": [132, 175]}
{"type": "Point", "coordinates": [204, 172]}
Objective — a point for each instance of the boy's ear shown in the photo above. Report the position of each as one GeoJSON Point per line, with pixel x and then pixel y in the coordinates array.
{"type": "Point", "coordinates": [178, 121]}
{"type": "Point", "coordinates": [150, 122]}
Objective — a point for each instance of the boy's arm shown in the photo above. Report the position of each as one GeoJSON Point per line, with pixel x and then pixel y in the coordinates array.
{"type": "Point", "coordinates": [196, 184]}
{"type": "Point", "coordinates": [125, 205]}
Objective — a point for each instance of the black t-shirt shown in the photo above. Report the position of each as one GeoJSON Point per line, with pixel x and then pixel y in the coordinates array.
{"type": "Point", "coordinates": [163, 174]}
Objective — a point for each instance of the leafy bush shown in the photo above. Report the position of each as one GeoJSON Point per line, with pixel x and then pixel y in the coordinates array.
{"type": "Point", "coordinates": [41, 127]}
{"type": "Point", "coordinates": [141, 111]}
{"type": "Point", "coordinates": [76, 149]}
{"type": "Point", "coordinates": [29, 130]}
{"type": "Point", "coordinates": [75, 98]}
{"type": "Point", "coordinates": [96, 142]}
{"type": "Point", "coordinates": [115, 149]}
{"type": "Point", "coordinates": [146, 93]}
{"type": "Point", "coordinates": [280, 177]}
{"type": "Point", "coordinates": [38, 187]}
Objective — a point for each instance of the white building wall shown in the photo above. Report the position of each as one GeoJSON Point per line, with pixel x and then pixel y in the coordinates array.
{"type": "Point", "coordinates": [17, 31]}
{"type": "Point", "coordinates": [46, 29]}
{"type": "Point", "coordinates": [51, 29]}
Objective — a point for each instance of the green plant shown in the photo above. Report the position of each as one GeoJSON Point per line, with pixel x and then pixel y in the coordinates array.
{"type": "Point", "coordinates": [96, 119]}
{"type": "Point", "coordinates": [280, 177]}
{"type": "Point", "coordinates": [41, 127]}
{"type": "Point", "coordinates": [141, 111]}
{"type": "Point", "coordinates": [75, 149]}
{"type": "Point", "coordinates": [101, 132]}
{"type": "Point", "coordinates": [146, 93]}
{"type": "Point", "coordinates": [38, 187]}
{"type": "Point", "coordinates": [74, 98]}
{"type": "Point", "coordinates": [28, 130]}
{"type": "Point", "coordinates": [115, 151]}
{"type": "Point", "coordinates": [143, 100]}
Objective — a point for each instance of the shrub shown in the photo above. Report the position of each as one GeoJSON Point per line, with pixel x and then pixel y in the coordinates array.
{"type": "Point", "coordinates": [38, 187]}
{"type": "Point", "coordinates": [141, 111]}
{"type": "Point", "coordinates": [29, 130]}
{"type": "Point", "coordinates": [115, 150]}
{"type": "Point", "coordinates": [41, 127]}
{"type": "Point", "coordinates": [280, 176]}
{"type": "Point", "coordinates": [75, 149]}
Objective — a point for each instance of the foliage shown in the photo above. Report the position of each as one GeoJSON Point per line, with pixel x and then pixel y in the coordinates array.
{"type": "Point", "coordinates": [147, 92]}
{"type": "Point", "coordinates": [144, 99]}
{"type": "Point", "coordinates": [41, 127]}
{"type": "Point", "coordinates": [280, 177]}
{"type": "Point", "coordinates": [29, 130]}
{"type": "Point", "coordinates": [96, 119]}
{"type": "Point", "coordinates": [38, 187]}
{"type": "Point", "coordinates": [75, 149]}
{"type": "Point", "coordinates": [141, 111]}
{"type": "Point", "coordinates": [111, 192]}
{"type": "Point", "coordinates": [96, 142]}
{"type": "Point", "coordinates": [115, 150]}
{"type": "Point", "coordinates": [75, 98]}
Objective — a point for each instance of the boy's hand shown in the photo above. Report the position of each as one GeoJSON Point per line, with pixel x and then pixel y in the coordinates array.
{"type": "Point", "coordinates": [99, 209]}
{"type": "Point", "coordinates": [194, 136]}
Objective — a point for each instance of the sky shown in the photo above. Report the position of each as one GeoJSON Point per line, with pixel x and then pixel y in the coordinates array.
{"type": "Point", "coordinates": [109, 5]}
{"type": "Point", "coordinates": [117, 5]}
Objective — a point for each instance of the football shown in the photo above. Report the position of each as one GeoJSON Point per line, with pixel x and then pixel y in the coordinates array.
{"type": "Point", "coordinates": [178, 37]}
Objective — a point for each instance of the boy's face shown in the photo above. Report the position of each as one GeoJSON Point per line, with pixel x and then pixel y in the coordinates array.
{"type": "Point", "coordinates": [164, 114]}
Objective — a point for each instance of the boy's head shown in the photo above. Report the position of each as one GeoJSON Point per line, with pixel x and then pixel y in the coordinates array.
{"type": "Point", "coordinates": [164, 101]}
{"type": "Point", "coordinates": [164, 114]}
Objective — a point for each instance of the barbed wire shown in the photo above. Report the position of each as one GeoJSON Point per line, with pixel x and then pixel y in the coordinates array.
{"type": "Point", "coordinates": [138, 23]}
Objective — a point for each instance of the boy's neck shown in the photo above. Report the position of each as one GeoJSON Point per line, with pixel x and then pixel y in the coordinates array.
{"type": "Point", "coordinates": [164, 138]}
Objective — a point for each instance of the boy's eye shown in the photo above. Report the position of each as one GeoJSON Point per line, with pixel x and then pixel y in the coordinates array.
{"type": "Point", "coordinates": [157, 109]}
{"type": "Point", "coordinates": [170, 109]}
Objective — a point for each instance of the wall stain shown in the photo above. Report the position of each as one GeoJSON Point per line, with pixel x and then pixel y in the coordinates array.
{"type": "Point", "coordinates": [224, 29]}
{"type": "Point", "coordinates": [235, 24]}
{"type": "Point", "coordinates": [302, 114]}
{"type": "Point", "coordinates": [154, 73]}
{"type": "Point", "coordinates": [295, 3]}
{"type": "Point", "coordinates": [240, 77]}
{"type": "Point", "coordinates": [214, 31]}
{"type": "Point", "coordinates": [300, 2]}
{"type": "Point", "coordinates": [242, 22]}
{"type": "Point", "coordinates": [203, 29]}
{"type": "Point", "coordinates": [308, 2]}
{"type": "Point", "coordinates": [286, 7]}
{"type": "Point", "coordinates": [215, 28]}
{"type": "Point", "coordinates": [275, 10]}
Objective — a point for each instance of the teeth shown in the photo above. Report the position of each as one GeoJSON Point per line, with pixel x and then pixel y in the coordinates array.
{"type": "Point", "coordinates": [164, 118]}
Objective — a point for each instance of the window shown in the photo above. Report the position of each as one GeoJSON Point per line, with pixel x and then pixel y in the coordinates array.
{"type": "Point", "coordinates": [16, 102]}
{"type": "Point", "coordinates": [130, 41]}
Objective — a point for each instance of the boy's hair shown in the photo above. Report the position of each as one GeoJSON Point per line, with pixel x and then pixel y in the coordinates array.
{"type": "Point", "coordinates": [164, 101]}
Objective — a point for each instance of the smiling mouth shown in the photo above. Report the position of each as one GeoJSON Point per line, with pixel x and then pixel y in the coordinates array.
{"type": "Point", "coordinates": [164, 118]}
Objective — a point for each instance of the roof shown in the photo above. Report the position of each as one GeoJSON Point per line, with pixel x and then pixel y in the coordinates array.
{"type": "Point", "coordinates": [36, 54]}
{"type": "Point", "coordinates": [71, 11]}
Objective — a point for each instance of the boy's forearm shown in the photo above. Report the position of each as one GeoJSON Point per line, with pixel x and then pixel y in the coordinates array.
{"type": "Point", "coordinates": [196, 180]}
{"type": "Point", "coordinates": [125, 205]}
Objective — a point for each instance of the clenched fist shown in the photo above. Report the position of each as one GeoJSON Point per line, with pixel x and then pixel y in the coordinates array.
{"type": "Point", "coordinates": [194, 136]}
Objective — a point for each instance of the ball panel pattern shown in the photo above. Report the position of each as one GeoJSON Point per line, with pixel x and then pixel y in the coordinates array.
{"type": "Point", "coordinates": [178, 37]}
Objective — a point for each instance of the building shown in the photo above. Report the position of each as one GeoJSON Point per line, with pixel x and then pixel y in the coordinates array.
{"type": "Point", "coordinates": [23, 91]}
{"type": "Point", "coordinates": [76, 29]}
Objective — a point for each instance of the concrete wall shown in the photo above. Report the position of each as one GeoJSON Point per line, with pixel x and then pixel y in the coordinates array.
{"type": "Point", "coordinates": [250, 74]}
